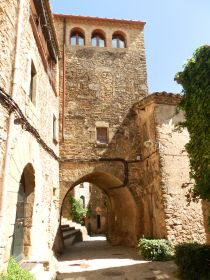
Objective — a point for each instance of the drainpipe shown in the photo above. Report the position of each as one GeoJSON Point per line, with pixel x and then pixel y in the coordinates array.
{"type": "Point", "coordinates": [6, 167]}
{"type": "Point", "coordinates": [64, 78]}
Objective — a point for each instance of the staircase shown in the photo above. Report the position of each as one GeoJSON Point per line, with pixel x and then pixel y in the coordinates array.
{"type": "Point", "coordinates": [70, 235]}
{"type": "Point", "coordinates": [72, 232]}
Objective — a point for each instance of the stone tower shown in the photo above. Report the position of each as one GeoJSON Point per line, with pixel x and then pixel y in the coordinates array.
{"type": "Point", "coordinates": [103, 73]}
{"type": "Point", "coordinates": [101, 82]}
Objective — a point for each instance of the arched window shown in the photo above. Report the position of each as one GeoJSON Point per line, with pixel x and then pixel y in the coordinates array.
{"type": "Point", "coordinates": [98, 40]}
{"type": "Point", "coordinates": [118, 41]}
{"type": "Point", "coordinates": [77, 38]}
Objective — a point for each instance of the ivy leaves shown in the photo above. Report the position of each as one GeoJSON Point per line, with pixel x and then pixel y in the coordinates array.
{"type": "Point", "coordinates": [195, 79]}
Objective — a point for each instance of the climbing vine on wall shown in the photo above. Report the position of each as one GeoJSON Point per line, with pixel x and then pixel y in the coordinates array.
{"type": "Point", "coordinates": [195, 79]}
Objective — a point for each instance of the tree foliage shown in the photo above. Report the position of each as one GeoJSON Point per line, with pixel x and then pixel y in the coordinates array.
{"type": "Point", "coordinates": [15, 272]}
{"type": "Point", "coordinates": [77, 210]}
{"type": "Point", "coordinates": [195, 79]}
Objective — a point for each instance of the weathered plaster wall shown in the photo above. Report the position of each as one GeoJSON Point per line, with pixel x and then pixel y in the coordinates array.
{"type": "Point", "coordinates": [166, 169]}
{"type": "Point", "coordinates": [150, 193]}
{"type": "Point", "coordinates": [183, 222]}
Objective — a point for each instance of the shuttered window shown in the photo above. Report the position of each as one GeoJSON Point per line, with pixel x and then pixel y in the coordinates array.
{"type": "Point", "coordinates": [102, 135]}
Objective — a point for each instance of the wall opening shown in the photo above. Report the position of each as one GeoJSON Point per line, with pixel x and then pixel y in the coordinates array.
{"type": "Point", "coordinates": [24, 210]}
{"type": "Point", "coordinates": [120, 221]}
{"type": "Point", "coordinates": [98, 221]}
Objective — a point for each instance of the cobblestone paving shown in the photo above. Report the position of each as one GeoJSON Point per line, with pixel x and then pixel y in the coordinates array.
{"type": "Point", "coordinates": [95, 259]}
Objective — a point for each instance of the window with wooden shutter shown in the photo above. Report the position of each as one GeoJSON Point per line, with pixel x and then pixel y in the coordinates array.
{"type": "Point", "coordinates": [102, 135]}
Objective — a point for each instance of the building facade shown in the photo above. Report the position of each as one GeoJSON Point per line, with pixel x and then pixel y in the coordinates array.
{"type": "Point", "coordinates": [29, 110]}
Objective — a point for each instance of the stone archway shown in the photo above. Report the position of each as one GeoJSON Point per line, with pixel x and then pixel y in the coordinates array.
{"type": "Point", "coordinates": [24, 211]}
{"type": "Point", "coordinates": [122, 210]}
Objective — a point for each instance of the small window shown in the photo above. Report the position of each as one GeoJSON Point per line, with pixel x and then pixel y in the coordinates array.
{"type": "Point", "coordinates": [55, 130]}
{"type": "Point", "coordinates": [98, 40]}
{"type": "Point", "coordinates": [102, 135]}
{"type": "Point", "coordinates": [77, 39]}
{"type": "Point", "coordinates": [54, 191]}
{"type": "Point", "coordinates": [32, 93]}
{"type": "Point", "coordinates": [81, 186]}
{"type": "Point", "coordinates": [118, 41]}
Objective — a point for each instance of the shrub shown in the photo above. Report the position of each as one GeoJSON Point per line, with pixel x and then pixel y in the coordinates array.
{"type": "Point", "coordinates": [193, 261]}
{"type": "Point", "coordinates": [15, 272]}
{"type": "Point", "coordinates": [155, 249]}
{"type": "Point", "coordinates": [77, 210]}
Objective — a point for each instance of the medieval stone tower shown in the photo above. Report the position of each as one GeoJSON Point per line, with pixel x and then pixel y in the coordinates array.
{"type": "Point", "coordinates": [103, 73]}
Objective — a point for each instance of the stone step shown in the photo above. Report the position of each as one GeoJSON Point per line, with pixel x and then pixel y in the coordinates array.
{"type": "Point", "coordinates": [64, 226]}
{"type": "Point", "coordinates": [69, 233]}
{"type": "Point", "coordinates": [67, 229]}
{"type": "Point", "coordinates": [70, 241]}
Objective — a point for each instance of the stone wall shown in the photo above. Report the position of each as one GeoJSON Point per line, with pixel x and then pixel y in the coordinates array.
{"type": "Point", "coordinates": [101, 85]}
{"type": "Point", "coordinates": [8, 18]}
{"type": "Point", "coordinates": [8, 22]}
{"type": "Point", "coordinates": [166, 170]}
{"type": "Point", "coordinates": [24, 147]}
{"type": "Point", "coordinates": [3, 138]}
{"type": "Point", "coordinates": [184, 222]}
{"type": "Point", "coordinates": [149, 192]}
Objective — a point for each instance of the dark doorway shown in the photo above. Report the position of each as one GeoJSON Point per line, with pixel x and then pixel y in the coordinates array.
{"type": "Point", "coordinates": [98, 221]}
{"type": "Point", "coordinates": [17, 246]}
{"type": "Point", "coordinates": [24, 210]}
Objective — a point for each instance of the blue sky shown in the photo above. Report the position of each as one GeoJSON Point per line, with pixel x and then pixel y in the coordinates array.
{"type": "Point", "coordinates": [174, 29]}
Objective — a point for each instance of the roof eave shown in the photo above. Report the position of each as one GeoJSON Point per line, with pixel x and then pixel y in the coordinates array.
{"type": "Point", "coordinates": [110, 20]}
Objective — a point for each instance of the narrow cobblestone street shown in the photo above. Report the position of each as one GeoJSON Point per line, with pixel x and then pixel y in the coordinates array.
{"type": "Point", "coordinates": [96, 259]}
